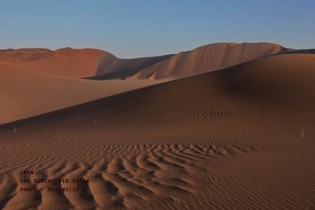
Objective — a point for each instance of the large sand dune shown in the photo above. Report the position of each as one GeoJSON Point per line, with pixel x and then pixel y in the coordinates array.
{"type": "Point", "coordinates": [100, 65]}
{"type": "Point", "coordinates": [209, 58]}
{"type": "Point", "coordinates": [27, 93]}
{"type": "Point", "coordinates": [239, 138]}
{"type": "Point", "coordinates": [76, 63]}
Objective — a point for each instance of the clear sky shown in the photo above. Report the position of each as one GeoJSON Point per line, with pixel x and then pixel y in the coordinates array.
{"type": "Point", "coordinates": [134, 28]}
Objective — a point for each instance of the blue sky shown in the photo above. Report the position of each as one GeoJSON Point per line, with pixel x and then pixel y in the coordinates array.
{"type": "Point", "coordinates": [134, 28]}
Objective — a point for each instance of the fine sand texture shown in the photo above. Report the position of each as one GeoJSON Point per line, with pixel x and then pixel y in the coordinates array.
{"type": "Point", "coordinates": [238, 138]}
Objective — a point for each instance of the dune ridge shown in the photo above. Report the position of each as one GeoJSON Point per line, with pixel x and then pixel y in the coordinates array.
{"type": "Point", "coordinates": [209, 58]}
{"type": "Point", "coordinates": [98, 64]}
{"type": "Point", "coordinates": [75, 63]}
{"type": "Point", "coordinates": [63, 62]}
{"type": "Point", "coordinates": [24, 55]}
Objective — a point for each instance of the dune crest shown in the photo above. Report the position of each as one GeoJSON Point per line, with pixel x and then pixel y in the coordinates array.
{"type": "Point", "coordinates": [75, 63]}
{"type": "Point", "coordinates": [101, 65]}
{"type": "Point", "coordinates": [63, 62]}
{"type": "Point", "coordinates": [208, 58]}
{"type": "Point", "coordinates": [24, 55]}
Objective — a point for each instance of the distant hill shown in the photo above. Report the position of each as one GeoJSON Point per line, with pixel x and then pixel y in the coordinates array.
{"type": "Point", "coordinates": [100, 65]}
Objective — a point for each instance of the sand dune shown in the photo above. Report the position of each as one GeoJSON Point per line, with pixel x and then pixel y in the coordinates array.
{"type": "Point", "coordinates": [279, 84]}
{"type": "Point", "coordinates": [239, 138]}
{"type": "Point", "coordinates": [123, 68]}
{"type": "Point", "coordinates": [64, 62]}
{"type": "Point", "coordinates": [76, 63]}
{"type": "Point", "coordinates": [100, 65]}
{"type": "Point", "coordinates": [209, 58]}
{"type": "Point", "coordinates": [302, 51]}
{"type": "Point", "coordinates": [28, 93]}
{"type": "Point", "coordinates": [24, 55]}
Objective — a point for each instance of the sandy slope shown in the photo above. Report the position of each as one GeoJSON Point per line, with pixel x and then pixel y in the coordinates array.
{"type": "Point", "coordinates": [240, 138]}
{"type": "Point", "coordinates": [209, 58]}
{"type": "Point", "coordinates": [76, 63]}
{"type": "Point", "coordinates": [65, 62]}
{"type": "Point", "coordinates": [123, 68]}
{"type": "Point", "coordinates": [27, 93]}
{"type": "Point", "coordinates": [24, 55]}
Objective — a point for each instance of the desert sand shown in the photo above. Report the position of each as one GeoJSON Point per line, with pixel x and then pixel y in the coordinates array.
{"type": "Point", "coordinates": [102, 65]}
{"type": "Point", "coordinates": [73, 63]}
{"type": "Point", "coordinates": [209, 58]}
{"type": "Point", "coordinates": [27, 93]}
{"type": "Point", "coordinates": [235, 138]}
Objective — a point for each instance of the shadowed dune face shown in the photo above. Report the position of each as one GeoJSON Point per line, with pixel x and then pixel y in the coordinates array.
{"type": "Point", "coordinates": [124, 68]}
{"type": "Point", "coordinates": [271, 96]}
{"type": "Point", "coordinates": [302, 51]}
{"type": "Point", "coordinates": [209, 58]}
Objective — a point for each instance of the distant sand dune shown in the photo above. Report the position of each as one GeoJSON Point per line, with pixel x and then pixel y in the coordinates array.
{"type": "Point", "coordinates": [124, 68]}
{"type": "Point", "coordinates": [24, 55]}
{"type": "Point", "coordinates": [75, 63]}
{"type": "Point", "coordinates": [97, 64]}
{"type": "Point", "coordinates": [64, 62]}
{"type": "Point", "coordinates": [209, 58]}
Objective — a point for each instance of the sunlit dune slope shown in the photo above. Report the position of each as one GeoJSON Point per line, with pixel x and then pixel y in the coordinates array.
{"type": "Point", "coordinates": [27, 93]}
{"type": "Point", "coordinates": [209, 58]}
